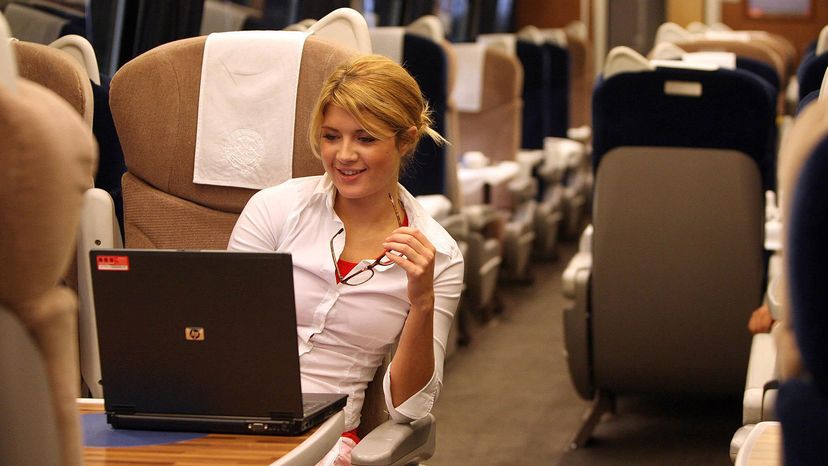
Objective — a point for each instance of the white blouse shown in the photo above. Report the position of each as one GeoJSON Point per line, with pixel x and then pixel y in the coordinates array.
{"type": "Point", "coordinates": [346, 331]}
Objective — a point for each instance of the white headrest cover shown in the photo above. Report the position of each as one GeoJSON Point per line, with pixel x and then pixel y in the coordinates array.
{"type": "Point", "coordinates": [577, 29]}
{"type": "Point", "coordinates": [388, 41]}
{"type": "Point", "coordinates": [667, 51]}
{"type": "Point", "coordinates": [625, 60]}
{"type": "Point", "coordinates": [531, 34]}
{"type": "Point", "coordinates": [720, 27]}
{"type": "Point", "coordinates": [823, 89]}
{"type": "Point", "coordinates": [246, 108]}
{"type": "Point", "coordinates": [822, 42]}
{"type": "Point", "coordinates": [471, 58]}
{"type": "Point", "coordinates": [672, 32]}
{"type": "Point", "coordinates": [697, 27]}
{"type": "Point", "coordinates": [741, 36]}
{"type": "Point", "coordinates": [726, 60]}
{"type": "Point", "coordinates": [344, 26]}
{"type": "Point", "coordinates": [504, 42]}
{"type": "Point", "coordinates": [301, 26]}
{"type": "Point", "coordinates": [428, 26]}
{"type": "Point", "coordinates": [82, 51]}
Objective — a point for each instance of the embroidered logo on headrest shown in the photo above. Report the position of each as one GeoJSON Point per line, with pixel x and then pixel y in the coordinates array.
{"type": "Point", "coordinates": [244, 149]}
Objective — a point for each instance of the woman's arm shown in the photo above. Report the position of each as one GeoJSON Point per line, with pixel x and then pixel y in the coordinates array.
{"type": "Point", "coordinates": [418, 362]}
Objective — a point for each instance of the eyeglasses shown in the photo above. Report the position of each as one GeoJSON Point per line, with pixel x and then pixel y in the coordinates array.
{"type": "Point", "coordinates": [365, 273]}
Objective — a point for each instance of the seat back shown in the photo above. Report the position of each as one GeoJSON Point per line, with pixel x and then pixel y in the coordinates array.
{"type": "Point", "coordinates": [154, 100]}
{"type": "Point", "coordinates": [431, 27]}
{"type": "Point", "coordinates": [660, 108]}
{"type": "Point", "coordinates": [496, 128]}
{"type": "Point", "coordinates": [810, 73]}
{"type": "Point", "coordinates": [676, 272]}
{"type": "Point", "coordinates": [46, 160]}
{"type": "Point", "coordinates": [427, 62]}
{"type": "Point", "coordinates": [756, 49]}
{"type": "Point", "coordinates": [546, 85]}
{"type": "Point", "coordinates": [558, 100]}
{"type": "Point", "coordinates": [64, 68]}
{"type": "Point", "coordinates": [57, 71]}
{"type": "Point", "coordinates": [537, 111]}
{"type": "Point", "coordinates": [581, 74]}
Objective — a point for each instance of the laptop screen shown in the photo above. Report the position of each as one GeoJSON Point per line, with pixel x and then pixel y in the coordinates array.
{"type": "Point", "coordinates": [208, 333]}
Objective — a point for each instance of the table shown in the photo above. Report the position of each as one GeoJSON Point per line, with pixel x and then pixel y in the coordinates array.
{"type": "Point", "coordinates": [216, 449]}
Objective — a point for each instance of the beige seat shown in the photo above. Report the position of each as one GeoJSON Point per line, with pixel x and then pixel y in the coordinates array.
{"type": "Point", "coordinates": [491, 125]}
{"type": "Point", "coordinates": [154, 100]}
{"type": "Point", "coordinates": [46, 158]}
{"type": "Point", "coordinates": [581, 75]}
{"type": "Point", "coordinates": [64, 68]}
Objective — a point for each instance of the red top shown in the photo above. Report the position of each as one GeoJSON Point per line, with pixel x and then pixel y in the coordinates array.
{"type": "Point", "coordinates": [345, 267]}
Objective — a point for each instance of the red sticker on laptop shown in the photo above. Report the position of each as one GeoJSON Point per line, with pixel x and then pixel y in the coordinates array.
{"type": "Point", "coordinates": [113, 263]}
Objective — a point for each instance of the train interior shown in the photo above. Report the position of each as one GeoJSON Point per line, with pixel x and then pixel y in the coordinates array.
{"type": "Point", "coordinates": [635, 186]}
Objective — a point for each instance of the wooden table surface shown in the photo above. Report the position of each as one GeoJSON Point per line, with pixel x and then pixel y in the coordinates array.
{"type": "Point", "coordinates": [212, 449]}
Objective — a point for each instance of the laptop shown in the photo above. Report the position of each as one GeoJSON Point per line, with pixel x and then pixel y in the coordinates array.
{"type": "Point", "coordinates": [201, 341]}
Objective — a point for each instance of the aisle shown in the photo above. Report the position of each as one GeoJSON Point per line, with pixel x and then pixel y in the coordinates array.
{"type": "Point", "coordinates": [508, 399]}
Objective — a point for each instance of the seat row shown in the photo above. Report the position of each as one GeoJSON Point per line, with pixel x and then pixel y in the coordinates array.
{"type": "Point", "coordinates": [686, 238]}
{"type": "Point", "coordinates": [165, 208]}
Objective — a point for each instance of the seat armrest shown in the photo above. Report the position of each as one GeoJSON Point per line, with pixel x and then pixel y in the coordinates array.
{"type": "Point", "coordinates": [98, 229]}
{"type": "Point", "coordinates": [775, 295]}
{"type": "Point", "coordinates": [761, 371]}
{"type": "Point", "coordinates": [436, 205]}
{"type": "Point", "coordinates": [577, 331]}
{"type": "Point", "coordinates": [585, 242]}
{"type": "Point", "coordinates": [580, 261]}
{"type": "Point", "coordinates": [393, 443]}
{"type": "Point", "coordinates": [581, 134]}
{"type": "Point", "coordinates": [479, 216]}
{"type": "Point", "coordinates": [762, 442]}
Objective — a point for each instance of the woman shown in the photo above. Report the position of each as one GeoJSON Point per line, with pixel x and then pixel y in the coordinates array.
{"type": "Point", "coordinates": [370, 267]}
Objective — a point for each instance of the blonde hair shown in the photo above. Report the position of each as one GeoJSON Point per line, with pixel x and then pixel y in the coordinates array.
{"type": "Point", "coordinates": [381, 96]}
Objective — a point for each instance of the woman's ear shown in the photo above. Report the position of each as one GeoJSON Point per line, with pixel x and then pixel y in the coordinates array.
{"type": "Point", "coordinates": [407, 140]}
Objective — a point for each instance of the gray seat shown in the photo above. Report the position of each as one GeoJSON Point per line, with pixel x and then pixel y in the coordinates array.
{"type": "Point", "coordinates": [677, 253]}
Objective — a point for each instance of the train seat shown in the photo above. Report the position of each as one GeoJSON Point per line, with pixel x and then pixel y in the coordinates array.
{"type": "Point", "coordinates": [581, 77]}
{"type": "Point", "coordinates": [802, 403]}
{"type": "Point", "coordinates": [763, 47]}
{"type": "Point", "coordinates": [47, 157]}
{"type": "Point", "coordinates": [165, 208]}
{"type": "Point", "coordinates": [61, 72]}
{"type": "Point", "coordinates": [545, 94]}
{"type": "Point", "coordinates": [490, 123]}
{"type": "Point", "coordinates": [671, 265]}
